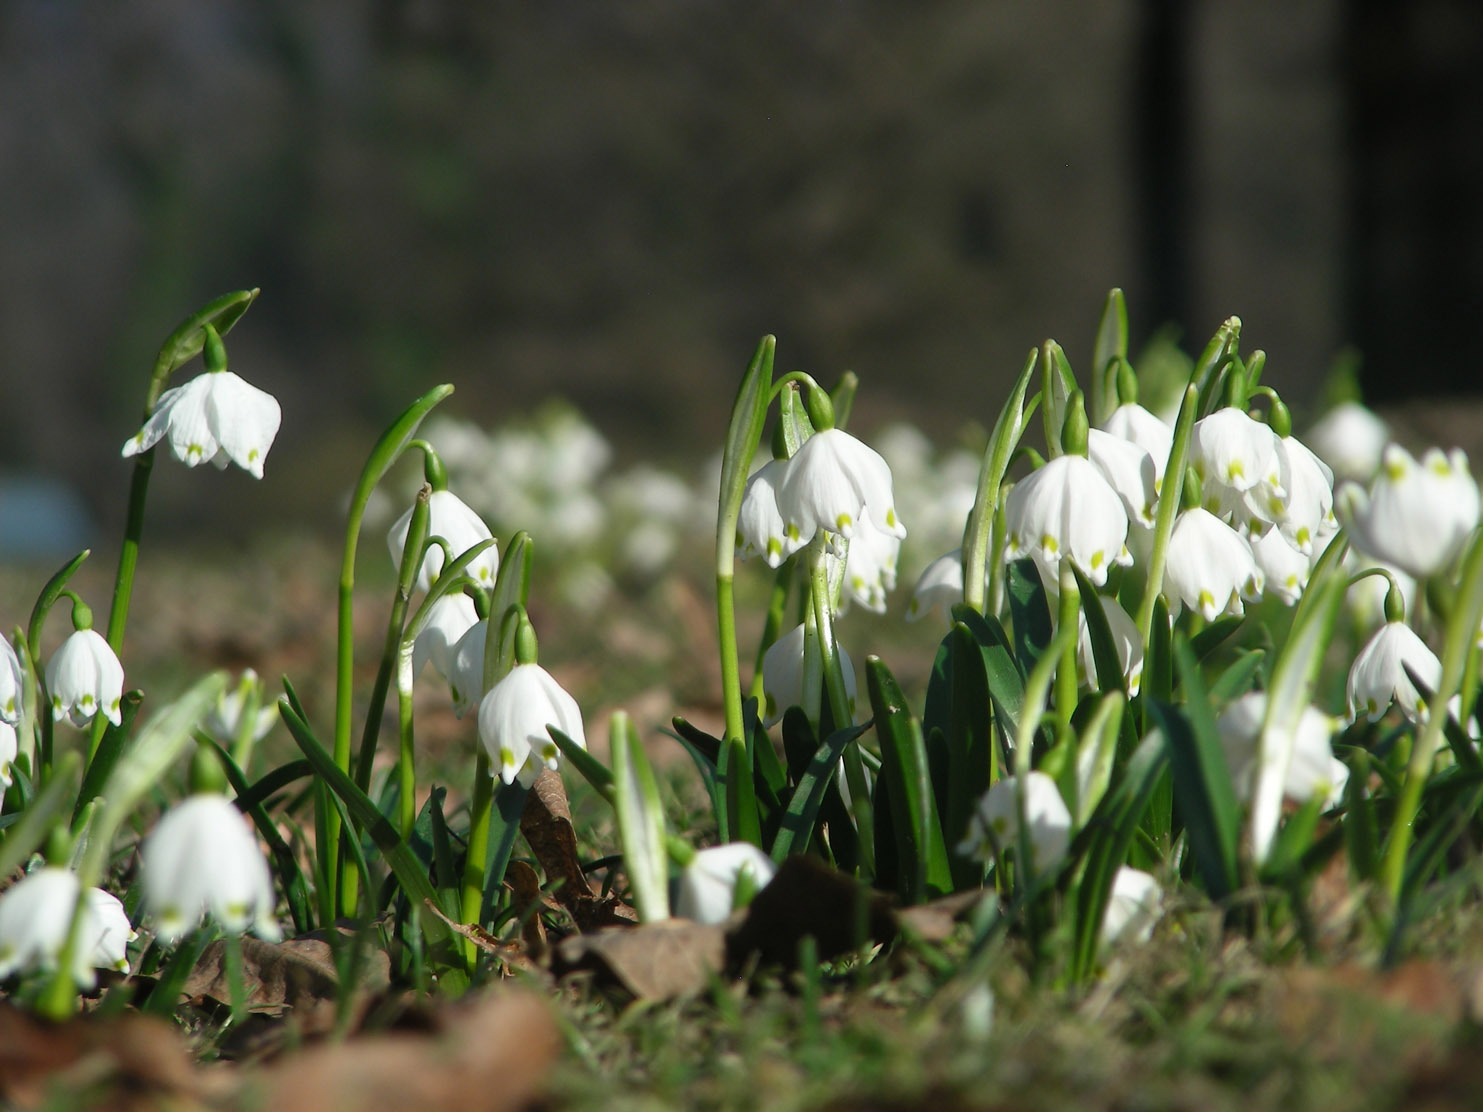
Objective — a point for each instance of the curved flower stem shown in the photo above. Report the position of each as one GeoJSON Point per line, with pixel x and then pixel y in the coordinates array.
{"type": "Point", "coordinates": [1462, 631]}
{"type": "Point", "coordinates": [1169, 500]}
{"type": "Point", "coordinates": [478, 853]}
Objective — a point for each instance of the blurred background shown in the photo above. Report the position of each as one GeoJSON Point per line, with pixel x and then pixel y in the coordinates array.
{"type": "Point", "coordinates": [611, 202]}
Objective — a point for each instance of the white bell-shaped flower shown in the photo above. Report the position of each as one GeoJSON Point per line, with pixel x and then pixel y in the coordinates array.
{"type": "Point", "coordinates": [782, 675]}
{"type": "Point", "coordinates": [36, 914]}
{"type": "Point", "coordinates": [1130, 470]}
{"type": "Point", "coordinates": [1067, 509]}
{"type": "Point", "coordinates": [1308, 755]}
{"type": "Point", "coordinates": [1308, 510]}
{"type": "Point", "coordinates": [9, 748]}
{"type": "Point", "coordinates": [203, 858]}
{"type": "Point", "coordinates": [760, 529]}
{"type": "Point", "coordinates": [225, 720]}
{"type": "Point", "coordinates": [995, 822]}
{"type": "Point", "coordinates": [217, 418]}
{"type": "Point", "coordinates": [1378, 675]}
{"type": "Point", "coordinates": [940, 584]}
{"type": "Point", "coordinates": [449, 517]}
{"type": "Point", "coordinates": [1133, 907]}
{"type": "Point", "coordinates": [466, 682]}
{"type": "Point", "coordinates": [1208, 566]}
{"type": "Point", "coordinates": [1284, 569]}
{"type": "Point", "coordinates": [1350, 439]}
{"type": "Point", "coordinates": [449, 619]}
{"type": "Point", "coordinates": [707, 885]}
{"type": "Point", "coordinates": [1125, 638]}
{"type": "Point", "coordinates": [513, 719]}
{"type": "Point", "coordinates": [1131, 422]}
{"type": "Point", "coordinates": [85, 678]}
{"type": "Point", "coordinates": [1237, 458]}
{"type": "Point", "coordinates": [10, 683]}
{"type": "Point", "coordinates": [1417, 516]}
{"type": "Point", "coordinates": [870, 566]}
{"type": "Point", "coordinates": [833, 482]}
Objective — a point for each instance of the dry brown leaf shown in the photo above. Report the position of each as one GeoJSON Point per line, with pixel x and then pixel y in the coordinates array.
{"type": "Point", "coordinates": [527, 902]}
{"type": "Point", "coordinates": [935, 921]}
{"type": "Point", "coordinates": [546, 823]}
{"type": "Point", "coordinates": [490, 1056]}
{"type": "Point", "coordinates": [808, 897]}
{"type": "Point", "coordinates": [654, 961]}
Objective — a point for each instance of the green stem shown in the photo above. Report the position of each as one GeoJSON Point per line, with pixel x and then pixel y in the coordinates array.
{"type": "Point", "coordinates": [478, 852]}
{"type": "Point", "coordinates": [1007, 430]}
{"type": "Point", "coordinates": [1067, 685]}
{"type": "Point", "coordinates": [777, 609]}
{"type": "Point", "coordinates": [406, 767]}
{"type": "Point", "coordinates": [731, 692]}
{"type": "Point", "coordinates": [1169, 502]}
{"type": "Point", "coordinates": [236, 984]}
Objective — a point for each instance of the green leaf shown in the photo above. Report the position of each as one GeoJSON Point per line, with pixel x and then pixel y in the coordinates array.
{"type": "Point", "coordinates": [1008, 428]}
{"type": "Point", "coordinates": [1058, 382]}
{"type": "Point", "coordinates": [504, 824]}
{"type": "Point", "coordinates": [969, 750]}
{"type": "Point", "coordinates": [47, 809]}
{"type": "Point", "coordinates": [1361, 833]}
{"type": "Point", "coordinates": [1105, 657]}
{"type": "Point", "coordinates": [1214, 635]}
{"type": "Point", "coordinates": [748, 415]}
{"type": "Point", "coordinates": [110, 748]}
{"type": "Point", "coordinates": [922, 851]}
{"type": "Point", "coordinates": [1158, 657]}
{"type": "Point", "coordinates": [802, 812]}
{"type": "Point", "coordinates": [1111, 345]}
{"type": "Point", "coordinates": [1029, 612]}
{"type": "Point", "coordinates": [1002, 669]}
{"type": "Point", "coordinates": [1238, 678]}
{"type": "Point", "coordinates": [641, 829]}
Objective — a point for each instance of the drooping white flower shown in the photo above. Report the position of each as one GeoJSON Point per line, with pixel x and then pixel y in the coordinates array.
{"type": "Point", "coordinates": [1378, 675]}
{"type": "Point", "coordinates": [1236, 457]}
{"type": "Point", "coordinates": [513, 719]}
{"type": "Point", "coordinates": [1308, 755]}
{"type": "Point", "coordinates": [449, 517]}
{"type": "Point", "coordinates": [9, 747]}
{"type": "Point", "coordinates": [760, 529]}
{"type": "Point", "coordinates": [1417, 516]}
{"type": "Point", "coordinates": [10, 683]}
{"type": "Point", "coordinates": [203, 858]}
{"type": "Point", "coordinates": [995, 821]}
{"type": "Point", "coordinates": [84, 678]}
{"type": "Point", "coordinates": [225, 720]}
{"type": "Point", "coordinates": [1125, 638]}
{"type": "Point", "coordinates": [1133, 907]}
{"type": "Point", "coordinates": [1130, 470]}
{"type": "Point", "coordinates": [708, 883]}
{"type": "Point", "coordinates": [782, 675]}
{"type": "Point", "coordinates": [832, 482]}
{"type": "Point", "coordinates": [217, 418]}
{"type": "Point", "coordinates": [1309, 509]}
{"type": "Point", "coordinates": [1365, 599]}
{"type": "Point", "coordinates": [36, 914]}
{"type": "Point", "coordinates": [466, 679]}
{"type": "Point", "coordinates": [1067, 509]}
{"type": "Point", "coordinates": [1130, 421]}
{"type": "Point", "coordinates": [448, 620]}
{"type": "Point", "coordinates": [870, 566]}
{"type": "Point", "coordinates": [940, 584]}
{"type": "Point", "coordinates": [1209, 566]}
{"type": "Point", "coordinates": [1284, 569]}
{"type": "Point", "coordinates": [1350, 439]}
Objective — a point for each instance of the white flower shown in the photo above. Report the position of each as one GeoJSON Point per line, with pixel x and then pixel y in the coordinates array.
{"type": "Point", "coordinates": [36, 914]}
{"type": "Point", "coordinates": [995, 822]}
{"type": "Point", "coordinates": [760, 529]}
{"type": "Point", "coordinates": [1284, 569]}
{"type": "Point", "coordinates": [1311, 767]}
{"type": "Point", "coordinates": [448, 620]}
{"type": "Point", "coordinates": [449, 517]}
{"type": "Point", "coordinates": [1378, 674]}
{"type": "Point", "coordinates": [1365, 599]}
{"type": "Point", "coordinates": [1350, 439]}
{"type": "Point", "coordinates": [1236, 456]}
{"type": "Point", "coordinates": [10, 683]}
{"type": "Point", "coordinates": [870, 566]}
{"type": "Point", "coordinates": [782, 675]}
{"type": "Point", "coordinates": [833, 482]}
{"type": "Point", "coordinates": [85, 677]}
{"type": "Point", "coordinates": [225, 720]}
{"type": "Point", "coordinates": [513, 720]}
{"type": "Point", "coordinates": [216, 417]}
{"type": "Point", "coordinates": [1416, 516]}
{"type": "Point", "coordinates": [1130, 470]}
{"type": "Point", "coordinates": [1125, 638]}
{"type": "Point", "coordinates": [1132, 422]}
{"type": "Point", "coordinates": [940, 584]}
{"type": "Point", "coordinates": [9, 747]}
{"type": "Point", "coordinates": [1067, 509]}
{"type": "Point", "coordinates": [1133, 907]}
{"type": "Point", "coordinates": [1209, 566]}
{"type": "Point", "coordinates": [707, 885]}
{"type": "Point", "coordinates": [466, 678]}
{"type": "Point", "coordinates": [203, 858]}
{"type": "Point", "coordinates": [1309, 509]}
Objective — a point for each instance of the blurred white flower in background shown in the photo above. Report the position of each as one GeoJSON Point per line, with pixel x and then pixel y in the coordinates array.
{"type": "Point", "coordinates": [36, 915]}
{"type": "Point", "coordinates": [1416, 515]}
{"type": "Point", "coordinates": [707, 885]}
{"type": "Point", "coordinates": [1350, 439]}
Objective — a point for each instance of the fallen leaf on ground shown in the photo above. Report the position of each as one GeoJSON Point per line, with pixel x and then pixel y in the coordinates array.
{"type": "Point", "coordinates": [546, 823]}
{"type": "Point", "coordinates": [808, 897]}
{"type": "Point", "coordinates": [654, 961]}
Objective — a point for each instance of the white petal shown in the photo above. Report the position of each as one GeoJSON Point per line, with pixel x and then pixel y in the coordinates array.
{"type": "Point", "coordinates": [244, 419]}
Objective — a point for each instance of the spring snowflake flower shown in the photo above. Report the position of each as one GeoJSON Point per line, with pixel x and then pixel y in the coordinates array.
{"type": "Point", "coordinates": [9, 748]}
{"type": "Point", "coordinates": [466, 680]}
{"type": "Point", "coordinates": [707, 884]}
{"type": "Point", "coordinates": [940, 584]}
{"type": "Point", "coordinates": [1378, 675]}
{"type": "Point", "coordinates": [1312, 770]}
{"type": "Point", "coordinates": [1133, 907]}
{"type": "Point", "coordinates": [84, 678]}
{"type": "Point", "coordinates": [995, 822]}
{"type": "Point", "coordinates": [870, 566]}
{"type": "Point", "coordinates": [1237, 458]}
{"type": "Point", "coordinates": [1130, 421]}
{"type": "Point", "coordinates": [1067, 508]}
{"type": "Point", "coordinates": [782, 675]}
{"type": "Point", "coordinates": [1209, 566]}
{"type": "Point", "coordinates": [1125, 638]}
{"type": "Point", "coordinates": [214, 418]}
{"type": "Point", "coordinates": [1308, 511]}
{"type": "Point", "coordinates": [1130, 470]}
{"type": "Point", "coordinates": [449, 517]}
{"type": "Point", "coordinates": [833, 482]}
{"type": "Point", "coordinates": [1284, 569]}
{"type": "Point", "coordinates": [1350, 439]}
{"type": "Point", "coordinates": [1417, 516]}
{"type": "Point", "coordinates": [203, 858]}
{"type": "Point", "coordinates": [449, 620]}
{"type": "Point", "coordinates": [226, 718]}
{"type": "Point", "coordinates": [10, 683]}
{"type": "Point", "coordinates": [513, 720]}
{"type": "Point", "coordinates": [760, 529]}
{"type": "Point", "coordinates": [36, 914]}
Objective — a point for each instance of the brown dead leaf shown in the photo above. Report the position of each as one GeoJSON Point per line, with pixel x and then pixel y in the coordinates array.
{"type": "Point", "coordinates": [654, 961]}
{"type": "Point", "coordinates": [489, 1056]}
{"type": "Point", "coordinates": [935, 921]}
{"type": "Point", "coordinates": [546, 823]}
{"type": "Point", "coordinates": [527, 902]}
{"type": "Point", "coordinates": [808, 897]}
